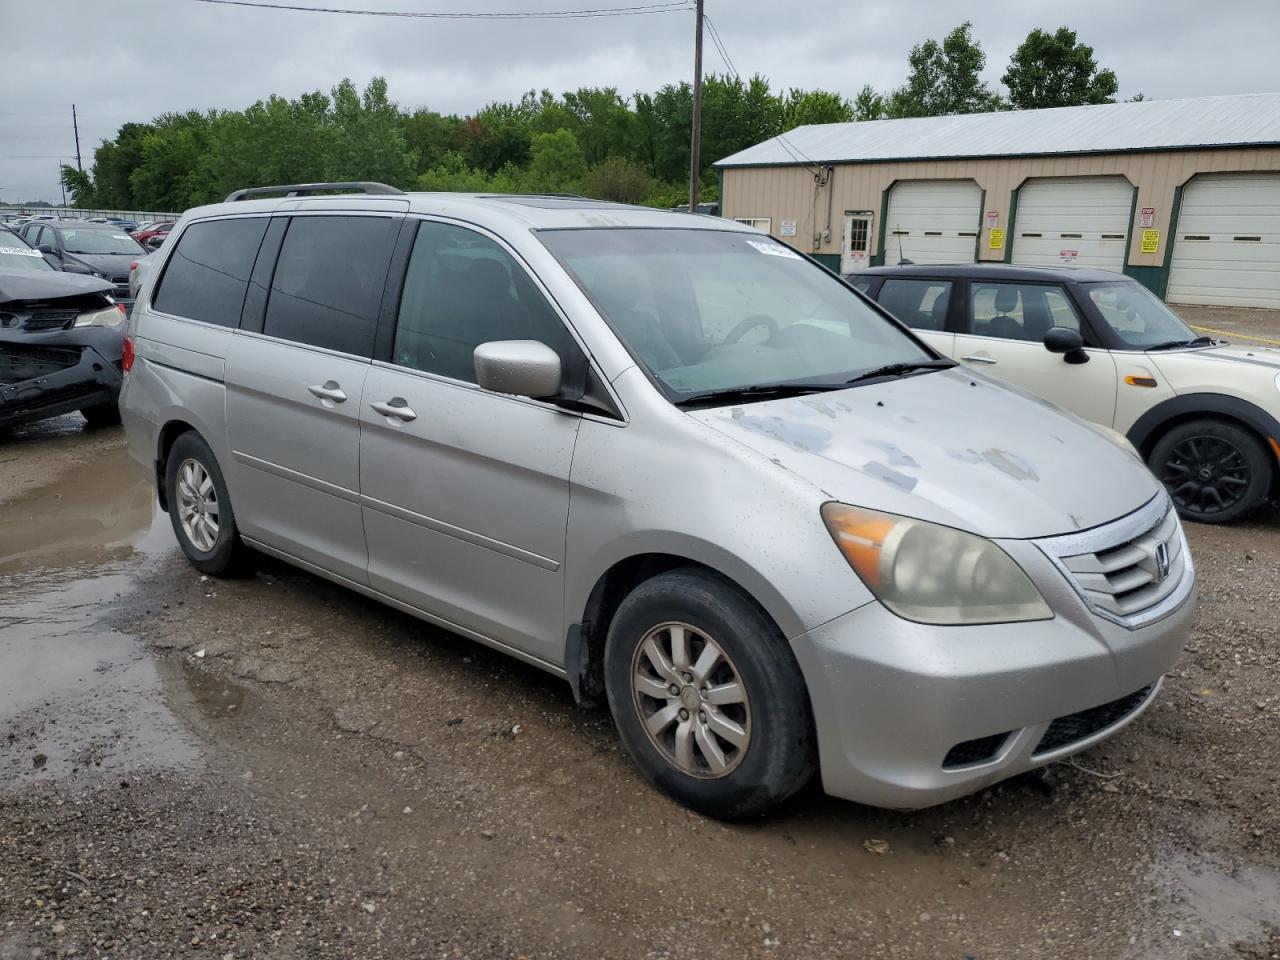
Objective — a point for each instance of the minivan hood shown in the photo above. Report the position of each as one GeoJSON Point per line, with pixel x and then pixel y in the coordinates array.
{"type": "Point", "coordinates": [951, 447]}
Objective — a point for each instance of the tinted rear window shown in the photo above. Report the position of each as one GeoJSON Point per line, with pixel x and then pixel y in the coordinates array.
{"type": "Point", "coordinates": [328, 282]}
{"type": "Point", "coordinates": [208, 274]}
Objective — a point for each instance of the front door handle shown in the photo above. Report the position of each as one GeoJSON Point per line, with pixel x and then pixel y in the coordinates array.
{"type": "Point", "coordinates": [329, 390]}
{"type": "Point", "coordinates": [396, 408]}
{"type": "Point", "coordinates": [980, 358]}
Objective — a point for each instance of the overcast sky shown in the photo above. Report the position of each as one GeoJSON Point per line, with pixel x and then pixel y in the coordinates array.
{"type": "Point", "coordinates": [132, 59]}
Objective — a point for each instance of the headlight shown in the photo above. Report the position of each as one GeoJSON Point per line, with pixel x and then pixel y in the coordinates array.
{"type": "Point", "coordinates": [106, 317]}
{"type": "Point", "coordinates": [930, 573]}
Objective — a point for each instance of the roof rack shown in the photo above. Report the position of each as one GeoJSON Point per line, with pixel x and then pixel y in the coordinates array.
{"type": "Point", "coordinates": [309, 189]}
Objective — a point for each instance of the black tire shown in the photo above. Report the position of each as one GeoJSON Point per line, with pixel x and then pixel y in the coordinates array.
{"type": "Point", "coordinates": [102, 415]}
{"type": "Point", "coordinates": [228, 556]}
{"type": "Point", "coordinates": [780, 755]}
{"type": "Point", "coordinates": [1214, 470]}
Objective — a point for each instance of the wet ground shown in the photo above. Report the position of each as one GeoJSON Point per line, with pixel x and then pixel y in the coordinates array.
{"type": "Point", "coordinates": [274, 767]}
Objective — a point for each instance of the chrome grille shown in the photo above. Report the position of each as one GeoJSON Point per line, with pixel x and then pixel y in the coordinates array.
{"type": "Point", "coordinates": [1132, 571]}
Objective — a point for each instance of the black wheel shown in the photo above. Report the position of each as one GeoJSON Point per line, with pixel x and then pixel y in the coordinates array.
{"type": "Point", "coordinates": [707, 696]}
{"type": "Point", "coordinates": [200, 509]}
{"type": "Point", "coordinates": [103, 415]}
{"type": "Point", "coordinates": [1215, 471]}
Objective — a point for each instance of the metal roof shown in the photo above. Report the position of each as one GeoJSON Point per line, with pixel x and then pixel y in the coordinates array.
{"type": "Point", "coordinates": [1250, 119]}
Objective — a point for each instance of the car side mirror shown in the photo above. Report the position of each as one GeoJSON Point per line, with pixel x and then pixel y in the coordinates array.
{"type": "Point", "coordinates": [47, 250]}
{"type": "Point", "coordinates": [1067, 342]}
{"type": "Point", "coordinates": [153, 243]}
{"type": "Point", "coordinates": [525, 368]}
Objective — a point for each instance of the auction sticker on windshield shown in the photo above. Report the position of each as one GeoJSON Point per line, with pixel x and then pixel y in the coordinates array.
{"type": "Point", "coordinates": [21, 251]}
{"type": "Point", "coordinates": [774, 249]}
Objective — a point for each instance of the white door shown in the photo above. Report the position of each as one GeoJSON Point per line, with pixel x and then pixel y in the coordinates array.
{"type": "Point", "coordinates": [1081, 220]}
{"type": "Point", "coordinates": [855, 253]}
{"type": "Point", "coordinates": [1226, 249]}
{"type": "Point", "coordinates": [933, 221]}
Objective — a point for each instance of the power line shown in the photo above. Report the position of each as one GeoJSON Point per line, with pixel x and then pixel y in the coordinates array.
{"type": "Point", "coordinates": [674, 6]}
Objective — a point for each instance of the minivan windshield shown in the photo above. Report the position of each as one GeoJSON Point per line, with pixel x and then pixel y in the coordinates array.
{"type": "Point", "coordinates": [17, 254]}
{"type": "Point", "coordinates": [1139, 317]}
{"type": "Point", "coordinates": [711, 312]}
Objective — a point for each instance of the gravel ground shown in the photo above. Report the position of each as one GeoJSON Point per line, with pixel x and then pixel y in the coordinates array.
{"type": "Point", "coordinates": [275, 767]}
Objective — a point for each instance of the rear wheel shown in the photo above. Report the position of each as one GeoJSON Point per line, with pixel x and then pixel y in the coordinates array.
{"type": "Point", "coordinates": [1215, 471]}
{"type": "Point", "coordinates": [707, 696]}
{"type": "Point", "coordinates": [102, 415]}
{"type": "Point", "coordinates": [200, 509]}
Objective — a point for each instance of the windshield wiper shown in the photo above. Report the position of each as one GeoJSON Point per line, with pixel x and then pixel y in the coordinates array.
{"type": "Point", "coordinates": [758, 391]}
{"type": "Point", "coordinates": [1174, 344]}
{"type": "Point", "coordinates": [901, 369]}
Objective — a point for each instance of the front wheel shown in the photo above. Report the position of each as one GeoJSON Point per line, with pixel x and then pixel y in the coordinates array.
{"type": "Point", "coordinates": [1215, 471]}
{"type": "Point", "coordinates": [200, 509]}
{"type": "Point", "coordinates": [707, 696]}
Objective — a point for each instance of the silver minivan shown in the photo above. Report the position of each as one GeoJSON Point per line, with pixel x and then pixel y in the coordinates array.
{"type": "Point", "coordinates": [666, 458]}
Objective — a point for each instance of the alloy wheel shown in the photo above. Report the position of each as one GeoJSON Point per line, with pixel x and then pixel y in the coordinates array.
{"type": "Point", "coordinates": [197, 505]}
{"type": "Point", "coordinates": [1206, 474]}
{"type": "Point", "coordinates": [691, 700]}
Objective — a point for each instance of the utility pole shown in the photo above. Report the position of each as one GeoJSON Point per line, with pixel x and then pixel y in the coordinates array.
{"type": "Point", "coordinates": [695, 146]}
{"type": "Point", "coordinates": [63, 183]}
{"type": "Point", "coordinates": [75, 125]}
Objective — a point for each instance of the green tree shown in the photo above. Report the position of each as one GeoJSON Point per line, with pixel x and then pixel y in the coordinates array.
{"type": "Point", "coordinates": [619, 179]}
{"type": "Point", "coordinates": [869, 105]}
{"type": "Point", "coordinates": [556, 163]}
{"type": "Point", "coordinates": [80, 185]}
{"type": "Point", "coordinates": [944, 78]}
{"type": "Point", "coordinates": [1055, 70]}
{"type": "Point", "coordinates": [801, 107]}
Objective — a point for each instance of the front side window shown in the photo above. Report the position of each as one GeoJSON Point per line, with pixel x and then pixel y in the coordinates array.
{"type": "Point", "coordinates": [328, 282]}
{"type": "Point", "coordinates": [711, 311]}
{"type": "Point", "coordinates": [17, 254]}
{"type": "Point", "coordinates": [1020, 311]}
{"type": "Point", "coordinates": [208, 274]}
{"type": "Point", "coordinates": [98, 241]}
{"type": "Point", "coordinates": [461, 290]}
{"type": "Point", "coordinates": [920, 304]}
{"type": "Point", "coordinates": [1138, 316]}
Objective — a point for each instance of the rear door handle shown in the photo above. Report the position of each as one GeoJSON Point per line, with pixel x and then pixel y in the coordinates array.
{"type": "Point", "coordinates": [395, 407]}
{"type": "Point", "coordinates": [980, 358]}
{"type": "Point", "coordinates": [329, 390]}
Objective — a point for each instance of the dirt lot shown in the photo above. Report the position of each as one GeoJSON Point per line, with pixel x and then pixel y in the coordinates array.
{"type": "Point", "coordinates": [274, 767]}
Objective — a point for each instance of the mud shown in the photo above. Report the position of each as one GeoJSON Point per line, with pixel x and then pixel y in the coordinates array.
{"type": "Point", "coordinates": [275, 767]}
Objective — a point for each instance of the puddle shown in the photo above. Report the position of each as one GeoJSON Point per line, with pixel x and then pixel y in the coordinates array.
{"type": "Point", "coordinates": [1220, 906]}
{"type": "Point", "coordinates": [76, 696]}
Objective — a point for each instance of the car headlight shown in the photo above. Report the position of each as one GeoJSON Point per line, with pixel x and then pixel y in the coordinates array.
{"type": "Point", "coordinates": [106, 317]}
{"type": "Point", "coordinates": [930, 573]}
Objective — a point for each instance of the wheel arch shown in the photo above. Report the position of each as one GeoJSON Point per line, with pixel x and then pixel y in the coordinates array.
{"type": "Point", "coordinates": [167, 437]}
{"type": "Point", "coordinates": [584, 641]}
{"type": "Point", "coordinates": [1157, 421]}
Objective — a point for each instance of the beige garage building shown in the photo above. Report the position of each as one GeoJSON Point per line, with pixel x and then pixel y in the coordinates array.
{"type": "Point", "coordinates": [1183, 195]}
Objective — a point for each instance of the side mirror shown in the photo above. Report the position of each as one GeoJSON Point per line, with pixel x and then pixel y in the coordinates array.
{"type": "Point", "coordinates": [153, 243]}
{"type": "Point", "coordinates": [47, 250]}
{"type": "Point", "coordinates": [1067, 342]}
{"type": "Point", "coordinates": [525, 368]}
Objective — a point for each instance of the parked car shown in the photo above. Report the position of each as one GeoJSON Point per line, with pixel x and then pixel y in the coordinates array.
{"type": "Point", "coordinates": [78, 246]}
{"type": "Point", "coordinates": [1204, 414]}
{"type": "Point", "coordinates": [670, 460]}
{"type": "Point", "coordinates": [153, 231]}
{"type": "Point", "coordinates": [61, 341]}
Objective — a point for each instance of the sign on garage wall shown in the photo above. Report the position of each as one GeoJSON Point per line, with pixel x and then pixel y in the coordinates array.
{"type": "Point", "coordinates": [993, 219]}
{"type": "Point", "coordinates": [996, 238]}
{"type": "Point", "coordinates": [1150, 241]}
{"type": "Point", "coordinates": [1067, 256]}
{"type": "Point", "coordinates": [1147, 218]}
{"type": "Point", "coordinates": [788, 228]}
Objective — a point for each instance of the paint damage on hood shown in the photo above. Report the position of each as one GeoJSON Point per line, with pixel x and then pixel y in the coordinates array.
{"type": "Point", "coordinates": [950, 447]}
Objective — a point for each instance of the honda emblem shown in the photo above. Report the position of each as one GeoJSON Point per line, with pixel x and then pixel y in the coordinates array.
{"type": "Point", "coordinates": [1162, 561]}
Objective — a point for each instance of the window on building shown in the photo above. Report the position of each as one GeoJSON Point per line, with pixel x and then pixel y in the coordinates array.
{"type": "Point", "coordinates": [763, 224]}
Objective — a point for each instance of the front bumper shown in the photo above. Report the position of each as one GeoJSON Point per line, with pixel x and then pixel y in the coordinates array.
{"type": "Point", "coordinates": [91, 380]}
{"type": "Point", "coordinates": [910, 715]}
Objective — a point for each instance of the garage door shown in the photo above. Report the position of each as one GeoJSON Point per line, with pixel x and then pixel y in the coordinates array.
{"type": "Point", "coordinates": [1227, 246]}
{"type": "Point", "coordinates": [933, 221]}
{"type": "Point", "coordinates": [1081, 220]}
